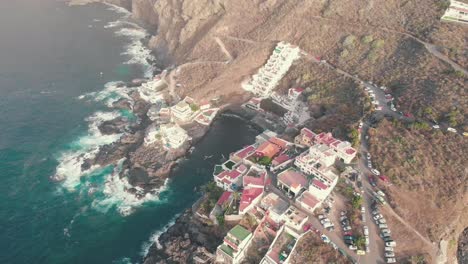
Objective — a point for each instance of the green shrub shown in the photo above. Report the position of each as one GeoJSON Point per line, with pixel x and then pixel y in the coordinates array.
{"type": "Point", "coordinates": [349, 41]}
{"type": "Point", "coordinates": [367, 39]}
{"type": "Point", "coordinates": [378, 43]}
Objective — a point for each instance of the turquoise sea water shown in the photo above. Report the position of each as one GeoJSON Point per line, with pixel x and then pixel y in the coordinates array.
{"type": "Point", "coordinates": [50, 56]}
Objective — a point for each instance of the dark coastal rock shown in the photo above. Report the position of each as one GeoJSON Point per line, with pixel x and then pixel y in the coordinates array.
{"type": "Point", "coordinates": [187, 239]}
{"type": "Point", "coordinates": [122, 104]}
{"type": "Point", "coordinates": [115, 126]}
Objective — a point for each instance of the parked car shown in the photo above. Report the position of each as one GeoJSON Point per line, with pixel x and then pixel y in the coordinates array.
{"type": "Point", "coordinates": [384, 178]}
{"type": "Point", "coordinates": [347, 228]}
{"type": "Point", "coordinates": [377, 217]}
{"type": "Point", "coordinates": [451, 129]}
{"type": "Point", "coordinates": [379, 192]}
{"type": "Point", "coordinates": [366, 231]}
{"type": "Point", "coordinates": [390, 260]}
{"type": "Point", "coordinates": [382, 221]}
{"type": "Point", "coordinates": [320, 217]}
{"type": "Point", "coordinates": [375, 212]}
{"type": "Point", "coordinates": [369, 165]}
{"type": "Point", "coordinates": [368, 156]}
{"type": "Point", "coordinates": [387, 239]}
{"type": "Point", "coordinates": [367, 249]}
{"type": "Point", "coordinates": [436, 126]}
{"type": "Point", "coordinates": [349, 242]}
{"type": "Point", "coordinates": [363, 209]}
{"type": "Point", "coordinates": [385, 230]}
{"type": "Point", "coordinates": [348, 233]}
{"type": "Point", "coordinates": [342, 213]}
{"type": "Point", "coordinates": [345, 222]}
{"type": "Point", "coordinates": [344, 217]}
{"type": "Point", "coordinates": [367, 241]}
{"type": "Point", "coordinates": [371, 180]}
{"type": "Point", "coordinates": [385, 236]}
{"type": "Point", "coordinates": [352, 247]}
{"type": "Point", "coordinates": [381, 226]}
{"type": "Point", "coordinates": [325, 238]}
{"type": "Point", "coordinates": [349, 238]}
{"type": "Point", "coordinates": [334, 245]}
{"type": "Point", "coordinates": [375, 172]}
{"type": "Point", "coordinates": [388, 249]}
{"type": "Point", "coordinates": [389, 254]}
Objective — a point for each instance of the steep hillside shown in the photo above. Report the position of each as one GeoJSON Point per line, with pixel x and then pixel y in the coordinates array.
{"type": "Point", "coordinates": [430, 181]}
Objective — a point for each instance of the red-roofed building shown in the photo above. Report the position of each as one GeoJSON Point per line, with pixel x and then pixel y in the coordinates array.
{"type": "Point", "coordinates": [256, 177]}
{"type": "Point", "coordinates": [343, 149]}
{"type": "Point", "coordinates": [267, 149]}
{"type": "Point", "coordinates": [305, 138]}
{"type": "Point", "coordinates": [250, 197]}
{"type": "Point", "coordinates": [319, 189]}
{"type": "Point", "coordinates": [308, 201]}
{"type": "Point", "coordinates": [292, 181]}
{"type": "Point", "coordinates": [243, 154]}
{"type": "Point", "coordinates": [225, 199]}
{"type": "Point", "coordinates": [230, 180]}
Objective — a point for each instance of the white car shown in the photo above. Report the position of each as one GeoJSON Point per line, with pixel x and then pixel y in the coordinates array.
{"type": "Point", "coordinates": [436, 126]}
{"type": "Point", "coordinates": [382, 221]}
{"type": "Point", "coordinates": [367, 241]}
{"type": "Point", "coordinates": [368, 156]}
{"type": "Point", "coordinates": [375, 212]}
{"type": "Point", "coordinates": [389, 254]}
{"type": "Point", "coordinates": [367, 249]}
{"type": "Point", "coordinates": [366, 231]}
{"type": "Point", "coordinates": [320, 217]}
{"type": "Point", "coordinates": [391, 260]}
{"type": "Point", "coordinates": [382, 226]}
{"type": "Point", "coordinates": [347, 228]}
{"type": "Point", "coordinates": [389, 249]}
{"type": "Point", "coordinates": [369, 165]}
{"type": "Point", "coordinates": [352, 247]}
{"type": "Point", "coordinates": [360, 124]}
{"type": "Point", "coordinates": [363, 209]}
{"type": "Point", "coordinates": [390, 244]}
{"type": "Point", "coordinates": [451, 129]}
{"type": "Point", "coordinates": [375, 172]}
{"type": "Point", "coordinates": [386, 230]}
{"type": "Point", "coordinates": [325, 239]}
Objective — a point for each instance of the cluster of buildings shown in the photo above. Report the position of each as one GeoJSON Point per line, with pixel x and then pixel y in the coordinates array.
{"type": "Point", "coordinates": [304, 179]}
{"type": "Point", "coordinates": [456, 12]}
{"type": "Point", "coordinates": [265, 80]}
{"type": "Point", "coordinates": [170, 119]}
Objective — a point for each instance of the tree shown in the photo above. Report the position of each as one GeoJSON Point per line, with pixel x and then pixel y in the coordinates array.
{"type": "Point", "coordinates": [220, 219]}
{"type": "Point", "coordinates": [361, 242]}
{"type": "Point", "coordinates": [356, 201]}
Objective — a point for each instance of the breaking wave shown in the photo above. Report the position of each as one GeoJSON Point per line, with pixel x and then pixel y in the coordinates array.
{"type": "Point", "coordinates": [154, 238]}
{"type": "Point", "coordinates": [116, 193]}
{"type": "Point", "coordinates": [112, 92]}
{"type": "Point", "coordinates": [86, 147]}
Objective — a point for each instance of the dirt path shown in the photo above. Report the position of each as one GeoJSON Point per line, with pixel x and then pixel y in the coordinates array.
{"type": "Point", "coordinates": [223, 48]}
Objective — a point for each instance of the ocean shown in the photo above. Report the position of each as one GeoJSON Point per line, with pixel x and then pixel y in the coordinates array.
{"type": "Point", "coordinates": [60, 70]}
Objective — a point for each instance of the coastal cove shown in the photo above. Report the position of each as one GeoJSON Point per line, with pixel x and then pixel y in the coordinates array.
{"type": "Point", "coordinates": [55, 93]}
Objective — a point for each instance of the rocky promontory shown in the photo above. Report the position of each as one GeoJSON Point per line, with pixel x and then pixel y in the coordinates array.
{"type": "Point", "coordinates": [187, 241]}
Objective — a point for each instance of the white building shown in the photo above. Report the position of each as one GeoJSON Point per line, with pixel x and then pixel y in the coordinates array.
{"type": "Point", "coordinates": [235, 245]}
{"type": "Point", "coordinates": [318, 162]}
{"type": "Point", "coordinates": [173, 136]}
{"type": "Point", "coordinates": [294, 218]}
{"type": "Point", "coordinates": [263, 83]}
{"type": "Point", "coordinates": [275, 206]}
{"type": "Point", "coordinates": [181, 112]}
{"type": "Point", "coordinates": [456, 12]}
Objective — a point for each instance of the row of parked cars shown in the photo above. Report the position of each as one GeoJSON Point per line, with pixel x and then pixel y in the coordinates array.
{"type": "Point", "coordinates": [348, 237]}
{"type": "Point", "coordinates": [385, 234]}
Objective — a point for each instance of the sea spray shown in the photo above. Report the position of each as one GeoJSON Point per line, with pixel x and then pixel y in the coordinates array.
{"type": "Point", "coordinates": [86, 147]}
{"type": "Point", "coordinates": [154, 238]}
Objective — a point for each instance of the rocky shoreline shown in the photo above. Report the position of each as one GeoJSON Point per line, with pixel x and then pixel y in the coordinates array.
{"type": "Point", "coordinates": [189, 240]}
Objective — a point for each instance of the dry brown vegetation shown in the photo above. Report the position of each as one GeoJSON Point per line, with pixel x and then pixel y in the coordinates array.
{"type": "Point", "coordinates": [428, 172]}
{"type": "Point", "coordinates": [311, 250]}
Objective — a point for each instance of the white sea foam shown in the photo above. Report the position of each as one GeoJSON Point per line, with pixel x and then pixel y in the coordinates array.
{"type": "Point", "coordinates": [118, 9]}
{"type": "Point", "coordinates": [112, 92]}
{"type": "Point", "coordinates": [154, 238]}
{"type": "Point", "coordinates": [86, 147]}
{"type": "Point", "coordinates": [116, 194]}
